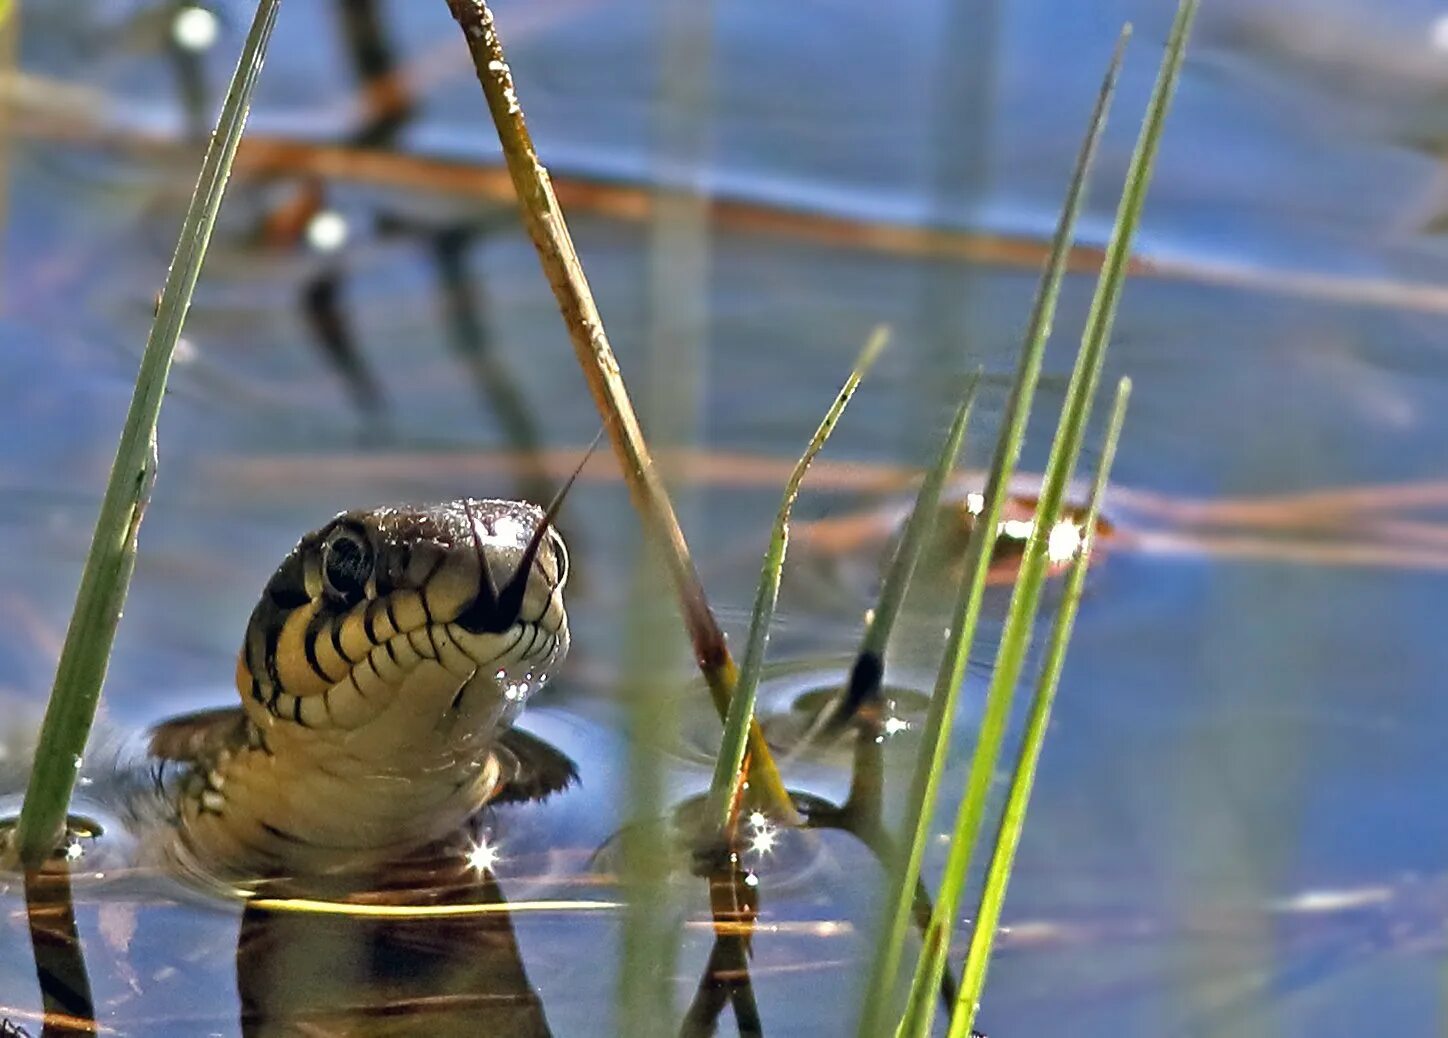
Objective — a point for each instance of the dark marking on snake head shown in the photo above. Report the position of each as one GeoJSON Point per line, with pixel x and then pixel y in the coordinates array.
{"type": "Point", "coordinates": [309, 647]}
{"type": "Point", "coordinates": [337, 641]}
{"type": "Point", "coordinates": [287, 589]}
{"type": "Point", "coordinates": [369, 617]}
{"type": "Point", "coordinates": [482, 614]}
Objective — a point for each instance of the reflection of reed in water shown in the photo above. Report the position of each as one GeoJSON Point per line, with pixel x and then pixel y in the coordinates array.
{"type": "Point", "coordinates": [734, 904]}
{"type": "Point", "coordinates": [65, 990]}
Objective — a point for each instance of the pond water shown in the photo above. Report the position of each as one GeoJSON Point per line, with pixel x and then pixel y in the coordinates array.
{"type": "Point", "coordinates": [1235, 828]}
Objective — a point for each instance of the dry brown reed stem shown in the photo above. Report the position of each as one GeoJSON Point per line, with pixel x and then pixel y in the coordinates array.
{"type": "Point", "coordinates": [255, 474]}
{"type": "Point", "coordinates": [544, 221]}
{"type": "Point", "coordinates": [75, 115]}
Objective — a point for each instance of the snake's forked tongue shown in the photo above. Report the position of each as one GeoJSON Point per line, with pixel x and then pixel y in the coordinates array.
{"type": "Point", "coordinates": [495, 610]}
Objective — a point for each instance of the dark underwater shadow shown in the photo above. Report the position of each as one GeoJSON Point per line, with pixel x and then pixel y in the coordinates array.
{"type": "Point", "coordinates": [406, 973]}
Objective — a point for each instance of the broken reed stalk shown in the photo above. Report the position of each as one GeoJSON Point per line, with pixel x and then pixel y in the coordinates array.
{"type": "Point", "coordinates": [112, 556]}
{"type": "Point", "coordinates": [545, 224]}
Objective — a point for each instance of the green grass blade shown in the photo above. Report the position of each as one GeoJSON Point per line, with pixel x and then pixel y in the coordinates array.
{"type": "Point", "coordinates": [880, 989]}
{"type": "Point", "coordinates": [868, 670]}
{"type": "Point", "coordinates": [1013, 819]}
{"type": "Point", "coordinates": [922, 994]}
{"type": "Point", "coordinates": [112, 556]}
{"type": "Point", "coordinates": [869, 664]}
{"type": "Point", "coordinates": [677, 331]}
{"type": "Point", "coordinates": [1065, 448]}
{"type": "Point", "coordinates": [724, 788]}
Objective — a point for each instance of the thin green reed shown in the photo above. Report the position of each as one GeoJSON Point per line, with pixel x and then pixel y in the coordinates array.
{"type": "Point", "coordinates": [1013, 817]}
{"type": "Point", "coordinates": [112, 556]}
{"type": "Point", "coordinates": [725, 787]}
{"type": "Point", "coordinates": [647, 854]}
{"type": "Point", "coordinates": [867, 672]}
{"type": "Point", "coordinates": [1065, 448]}
{"type": "Point", "coordinates": [677, 331]}
{"type": "Point", "coordinates": [879, 991]}
{"type": "Point", "coordinates": [868, 669]}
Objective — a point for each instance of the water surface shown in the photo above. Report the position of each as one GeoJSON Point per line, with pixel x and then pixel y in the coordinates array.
{"type": "Point", "coordinates": [1234, 830]}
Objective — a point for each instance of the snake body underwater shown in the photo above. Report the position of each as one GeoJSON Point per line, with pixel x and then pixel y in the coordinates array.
{"type": "Point", "coordinates": [380, 673]}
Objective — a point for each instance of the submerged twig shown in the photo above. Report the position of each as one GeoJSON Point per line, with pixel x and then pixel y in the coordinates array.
{"type": "Point", "coordinates": [59, 110]}
{"type": "Point", "coordinates": [112, 557]}
{"type": "Point", "coordinates": [545, 224]}
{"type": "Point", "coordinates": [325, 313]}
{"type": "Point", "coordinates": [472, 343]}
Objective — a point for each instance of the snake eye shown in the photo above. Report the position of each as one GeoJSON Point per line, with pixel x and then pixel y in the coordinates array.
{"type": "Point", "coordinates": [346, 565]}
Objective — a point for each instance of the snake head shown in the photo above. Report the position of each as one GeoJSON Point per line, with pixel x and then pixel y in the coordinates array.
{"type": "Point", "coordinates": [363, 602]}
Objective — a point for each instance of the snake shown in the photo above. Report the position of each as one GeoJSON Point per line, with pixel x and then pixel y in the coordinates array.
{"type": "Point", "coordinates": [380, 674]}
